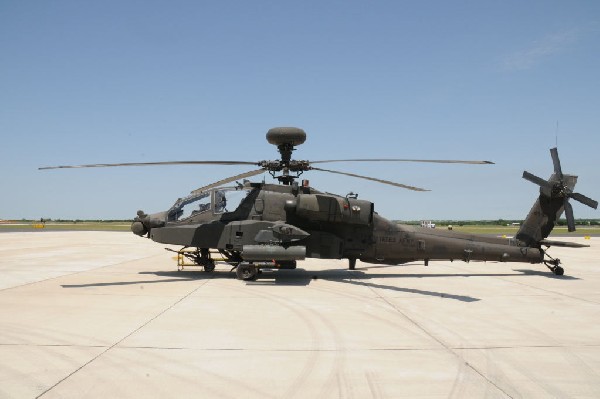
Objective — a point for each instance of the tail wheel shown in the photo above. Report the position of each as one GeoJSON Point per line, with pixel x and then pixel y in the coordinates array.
{"type": "Point", "coordinates": [554, 266]}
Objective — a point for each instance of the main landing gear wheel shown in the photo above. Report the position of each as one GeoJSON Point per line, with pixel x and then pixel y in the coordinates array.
{"type": "Point", "coordinates": [246, 271]}
{"type": "Point", "coordinates": [209, 267]}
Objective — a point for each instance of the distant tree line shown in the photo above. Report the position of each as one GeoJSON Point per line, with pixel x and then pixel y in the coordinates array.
{"type": "Point", "coordinates": [497, 222]}
{"type": "Point", "coordinates": [78, 220]}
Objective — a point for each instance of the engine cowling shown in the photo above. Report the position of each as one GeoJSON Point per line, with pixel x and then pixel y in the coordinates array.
{"type": "Point", "coordinates": [333, 209]}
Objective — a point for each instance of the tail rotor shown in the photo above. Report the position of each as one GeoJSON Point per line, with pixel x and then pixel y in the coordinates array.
{"type": "Point", "coordinates": [561, 186]}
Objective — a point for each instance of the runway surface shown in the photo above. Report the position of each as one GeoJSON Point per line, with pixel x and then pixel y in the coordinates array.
{"type": "Point", "coordinates": [104, 314]}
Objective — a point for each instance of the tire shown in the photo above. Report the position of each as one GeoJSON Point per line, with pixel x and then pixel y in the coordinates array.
{"type": "Point", "coordinates": [246, 272]}
{"type": "Point", "coordinates": [209, 267]}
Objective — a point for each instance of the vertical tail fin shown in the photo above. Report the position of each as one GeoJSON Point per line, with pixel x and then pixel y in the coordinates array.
{"type": "Point", "coordinates": [552, 202]}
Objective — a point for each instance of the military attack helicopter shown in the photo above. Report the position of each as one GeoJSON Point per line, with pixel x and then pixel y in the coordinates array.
{"type": "Point", "coordinates": [259, 225]}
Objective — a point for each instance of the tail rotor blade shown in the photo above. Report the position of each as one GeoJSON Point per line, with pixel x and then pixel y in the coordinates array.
{"type": "Point", "coordinates": [584, 200]}
{"type": "Point", "coordinates": [556, 162]}
{"type": "Point", "coordinates": [569, 215]}
{"type": "Point", "coordinates": [536, 180]}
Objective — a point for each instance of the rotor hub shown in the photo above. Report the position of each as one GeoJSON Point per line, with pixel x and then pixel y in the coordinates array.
{"type": "Point", "coordinates": [285, 138]}
{"type": "Point", "coordinates": [559, 190]}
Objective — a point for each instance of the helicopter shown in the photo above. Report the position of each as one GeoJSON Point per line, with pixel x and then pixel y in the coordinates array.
{"type": "Point", "coordinates": [258, 225]}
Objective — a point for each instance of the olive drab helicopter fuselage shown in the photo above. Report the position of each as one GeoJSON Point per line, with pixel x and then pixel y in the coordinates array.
{"type": "Point", "coordinates": [260, 225]}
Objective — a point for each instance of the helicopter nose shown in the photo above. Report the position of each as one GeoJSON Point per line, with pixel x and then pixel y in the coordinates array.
{"type": "Point", "coordinates": [143, 223]}
{"type": "Point", "coordinates": [138, 228]}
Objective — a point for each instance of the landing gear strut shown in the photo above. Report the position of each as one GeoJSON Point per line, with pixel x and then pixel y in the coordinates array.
{"type": "Point", "coordinates": [199, 256]}
{"type": "Point", "coordinates": [352, 263]}
{"type": "Point", "coordinates": [205, 260]}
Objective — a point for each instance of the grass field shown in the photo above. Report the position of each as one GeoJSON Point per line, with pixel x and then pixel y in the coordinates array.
{"type": "Point", "coordinates": [124, 226]}
{"type": "Point", "coordinates": [512, 230]}
{"type": "Point", "coordinates": [67, 226]}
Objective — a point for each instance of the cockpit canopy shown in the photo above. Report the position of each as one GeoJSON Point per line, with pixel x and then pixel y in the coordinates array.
{"type": "Point", "coordinates": [217, 201]}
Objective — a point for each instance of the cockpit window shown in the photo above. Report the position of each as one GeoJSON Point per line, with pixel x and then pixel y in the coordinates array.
{"type": "Point", "coordinates": [189, 206]}
{"type": "Point", "coordinates": [220, 200]}
{"type": "Point", "coordinates": [227, 200]}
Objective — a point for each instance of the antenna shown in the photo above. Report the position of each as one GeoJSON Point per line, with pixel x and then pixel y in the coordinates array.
{"type": "Point", "coordinates": [556, 137]}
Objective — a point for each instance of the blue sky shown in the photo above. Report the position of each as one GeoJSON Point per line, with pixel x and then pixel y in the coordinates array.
{"type": "Point", "coordinates": [138, 81]}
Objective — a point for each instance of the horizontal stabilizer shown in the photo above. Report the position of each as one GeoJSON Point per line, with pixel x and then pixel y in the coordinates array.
{"type": "Point", "coordinates": [551, 243]}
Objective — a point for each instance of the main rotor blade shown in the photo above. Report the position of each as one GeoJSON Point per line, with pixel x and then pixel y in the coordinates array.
{"type": "Point", "coordinates": [584, 200]}
{"type": "Point", "coordinates": [406, 160]}
{"type": "Point", "coordinates": [106, 165]}
{"type": "Point", "coordinates": [391, 183]}
{"type": "Point", "coordinates": [556, 162]}
{"type": "Point", "coordinates": [228, 180]}
{"type": "Point", "coordinates": [569, 215]}
{"type": "Point", "coordinates": [536, 180]}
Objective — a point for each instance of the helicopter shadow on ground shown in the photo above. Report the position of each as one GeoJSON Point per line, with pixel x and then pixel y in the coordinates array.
{"type": "Point", "coordinates": [542, 273]}
{"type": "Point", "coordinates": [361, 277]}
{"type": "Point", "coordinates": [296, 277]}
{"type": "Point", "coordinates": [352, 277]}
{"type": "Point", "coordinates": [303, 277]}
{"type": "Point", "coordinates": [519, 273]}
{"type": "Point", "coordinates": [170, 277]}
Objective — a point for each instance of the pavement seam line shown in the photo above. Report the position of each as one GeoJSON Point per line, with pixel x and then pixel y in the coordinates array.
{"type": "Point", "coordinates": [448, 348]}
{"type": "Point", "coordinates": [124, 338]}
